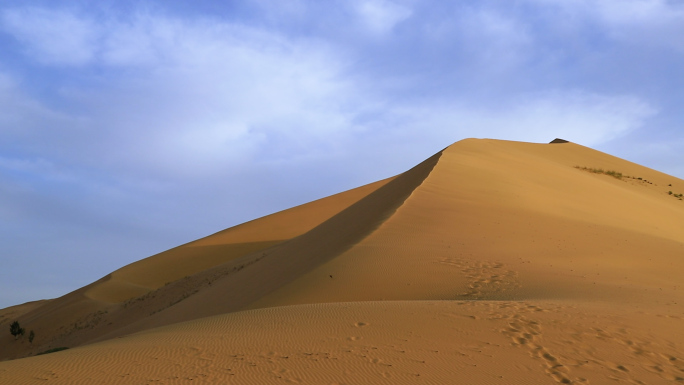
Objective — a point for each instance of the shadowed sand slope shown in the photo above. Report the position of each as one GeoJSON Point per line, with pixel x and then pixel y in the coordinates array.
{"type": "Point", "coordinates": [235, 285]}
{"type": "Point", "coordinates": [8, 315]}
{"type": "Point", "coordinates": [158, 270]}
{"type": "Point", "coordinates": [490, 262]}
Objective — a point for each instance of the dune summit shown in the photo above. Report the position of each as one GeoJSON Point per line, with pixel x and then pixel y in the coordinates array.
{"type": "Point", "coordinates": [490, 262]}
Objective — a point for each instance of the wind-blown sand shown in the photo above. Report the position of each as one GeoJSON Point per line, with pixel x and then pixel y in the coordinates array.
{"type": "Point", "coordinates": [490, 262]}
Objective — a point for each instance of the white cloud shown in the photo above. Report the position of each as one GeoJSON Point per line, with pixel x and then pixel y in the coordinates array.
{"type": "Point", "coordinates": [228, 94]}
{"type": "Point", "coordinates": [638, 11]}
{"type": "Point", "coordinates": [140, 42]}
{"type": "Point", "coordinates": [211, 95]}
{"type": "Point", "coordinates": [380, 16]}
{"type": "Point", "coordinates": [498, 41]}
{"type": "Point", "coordinates": [201, 96]}
{"type": "Point", "coordinates": [650, 22]}
{"type": "Point", "coordinates": [22, 118]}
{"type": "Point", "coordinates": [585, 118]}
{"type": "Point", "coordinates": [483, 39]}
{"type": "Point", "coordinates": [52, 36]}
{"type": "Point", "coordinates": [206, 95]}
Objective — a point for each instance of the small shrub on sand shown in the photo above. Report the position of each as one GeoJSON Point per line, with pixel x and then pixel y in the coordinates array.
{"type": "Point", "coordinates": [16, 330]}
{"type": "Point", "coordinates": [678, 196]}
{"type": "Point", "coordinates": [614, 174]}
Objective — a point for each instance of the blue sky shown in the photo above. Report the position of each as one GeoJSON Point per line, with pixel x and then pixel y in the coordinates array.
{"type": "Point", "coordinates": [130, 127]}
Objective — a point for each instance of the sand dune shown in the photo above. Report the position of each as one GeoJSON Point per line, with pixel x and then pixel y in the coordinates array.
{"type": "Point", "coordinates": [490, 262]}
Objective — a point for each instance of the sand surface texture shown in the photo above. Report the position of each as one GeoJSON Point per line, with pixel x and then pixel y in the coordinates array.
{"type": "Point", "coordinates": [491, 262]}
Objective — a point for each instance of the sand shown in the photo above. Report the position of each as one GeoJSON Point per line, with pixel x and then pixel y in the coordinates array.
{"type": "Point", "coordinates": [491, 262]}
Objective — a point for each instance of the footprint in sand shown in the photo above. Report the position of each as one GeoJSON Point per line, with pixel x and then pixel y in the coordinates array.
{"type": "Point", "coordinates": [286, 375]}
{"type": "Point", "coordinates": [484, 277]}
{"type": "Point", "coordinates": [527, 333]}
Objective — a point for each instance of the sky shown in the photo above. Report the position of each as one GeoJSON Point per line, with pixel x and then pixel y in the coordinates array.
{"type": "Point", "coordinates": [130, 127]}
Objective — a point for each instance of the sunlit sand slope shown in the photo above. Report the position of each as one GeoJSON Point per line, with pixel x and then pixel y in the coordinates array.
{"type": "Point", "coordinates": [509, 220]}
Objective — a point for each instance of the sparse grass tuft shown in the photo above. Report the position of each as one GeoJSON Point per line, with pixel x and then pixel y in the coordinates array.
{"type": "Point", "coordinates": [614, 174]}
{"type": "Point", "coordinates": [679, 196]}
{"type": "Point", "coordinates": [619, 175]}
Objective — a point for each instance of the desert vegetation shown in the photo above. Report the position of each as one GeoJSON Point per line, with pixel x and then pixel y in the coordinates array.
{"type": "Point", "coordinates": [678, 196]}
{"type": "Point", "coordinates": [621, 176]}
{"type": "Point", "coordinates": [16, 330]}
{"type": "Point", "coordinates": [614, 174]}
